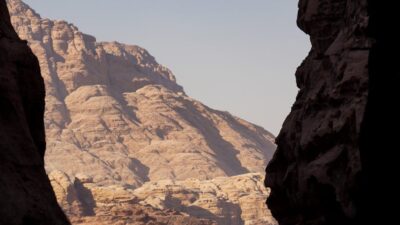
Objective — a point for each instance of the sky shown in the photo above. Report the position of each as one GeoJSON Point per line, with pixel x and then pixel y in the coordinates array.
{"type": "Point", "coordinates": [238, 56]}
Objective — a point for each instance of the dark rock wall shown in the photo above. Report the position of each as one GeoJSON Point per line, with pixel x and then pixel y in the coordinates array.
{"type": "Point", "coordinates": [379, 138]}
{"type": "Point", "coordinates": [336, 161]}
{"type": "Point", "coordinates": [26, 196]}
{"type": "Point", "coordinates": [315, 175]}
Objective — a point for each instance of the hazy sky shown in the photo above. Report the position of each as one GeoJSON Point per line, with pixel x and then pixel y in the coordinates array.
{"type": "Point", "coordinates": [233, 55]}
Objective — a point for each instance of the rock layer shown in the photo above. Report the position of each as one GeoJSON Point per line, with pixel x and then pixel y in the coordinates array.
{"type": "Point", "coordinates": [89, 204]}
{"type": "Point", "coordinates": [237, 200]}
{"type": "Point", "coordinates": [26, 196]}
{"type": "Point", "coordinates": [315, 175]}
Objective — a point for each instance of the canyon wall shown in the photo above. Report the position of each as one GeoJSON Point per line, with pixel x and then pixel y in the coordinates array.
{"type": "Point", "coordinates": [335, 162]}
{"type": "Point", "coordinates": [379, 136]}
{"type": "Point", "coordinates": [315, 175]}
{"type": "Point", "coordinates": [26, 196]}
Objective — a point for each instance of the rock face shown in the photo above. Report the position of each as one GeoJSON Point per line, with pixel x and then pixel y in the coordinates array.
{"type": "Point", "coordinates": [26, 196]}
{"type": "Point", "coordinates": [228, 200]}
{"type": "Point", "coordinates": [115, 114]}
{"type": "Point", "coordinates": [315, 175]}
{"type": "Point", "coordinates": [224, 201]}
{"type": "Point", "coordinates": [89, 204]}
{"type": "Point", "coordinates": [379, 161]}
{"type": "Point", "coordinates": [116, 119]}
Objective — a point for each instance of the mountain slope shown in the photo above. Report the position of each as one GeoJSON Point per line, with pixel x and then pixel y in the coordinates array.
{"type": "Point", "coordinates": [114, 113]}
{"type": "Point", "coordinates": [118, 119]}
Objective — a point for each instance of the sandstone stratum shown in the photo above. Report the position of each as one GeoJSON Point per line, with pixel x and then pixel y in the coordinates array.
{"type": "Point", "coordinates": [117, 122]}
{"type": "Point", "coordinates": [224, 200]}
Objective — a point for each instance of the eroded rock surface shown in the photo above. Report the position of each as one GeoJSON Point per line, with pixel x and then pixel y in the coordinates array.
{"type": "Point", "coordinates": [86, 203]}
{"type": "Point", "coordinates": [228, 200]}
{"type": "Point", "coordinates": [116, 119]}
{"type": "Point", "coordinates": [237, 200]}
{"type": "Point", "coordinates": [115, 114]}
{"type": "Point", "coordinates": [26, 196]}
{"type": "Point", "coordinates": [315, 174]}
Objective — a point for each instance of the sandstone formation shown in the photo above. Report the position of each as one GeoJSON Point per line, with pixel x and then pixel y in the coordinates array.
{"type": "Point", "coordinates": [116, 115]}
{"type": "Point", "coordinates": [26, 197]}
{"type": "Point", "coordinates": [116, 119]}
{"type": "Point", "coordinates": [237, 200]}
{"type": "Point", "coordinates": [86, 203]}
{"type": "Point", "coordinates": [228, 200]}
{"type": "Point", "coordinates": [315, 175]}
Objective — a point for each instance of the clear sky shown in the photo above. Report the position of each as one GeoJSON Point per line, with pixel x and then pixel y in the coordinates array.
{"type": "Point", "coordinates": [233, 55]}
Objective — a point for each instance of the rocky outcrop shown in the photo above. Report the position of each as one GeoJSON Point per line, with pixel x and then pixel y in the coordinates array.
{"type": "Point", "coordinates": [237, 200]}
{"type": "Point", "coordinates": [26, 196]}
{"type": "Point", "coordinates": [116, 115]}
{"type": "Point", "coordinates": [315, 175]}
{"type": "Point", "coordinates": [87, 203]}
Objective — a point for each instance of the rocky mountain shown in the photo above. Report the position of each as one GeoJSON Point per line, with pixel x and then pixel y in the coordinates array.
{"type": "Point", "coordinates": [316, 173]}
{"type": "Point", "coordinates": [26, 196]}
{"type": "Point", "coordinates": [115, 114]}
{"type": "Point", "coordinates": [118, 118]}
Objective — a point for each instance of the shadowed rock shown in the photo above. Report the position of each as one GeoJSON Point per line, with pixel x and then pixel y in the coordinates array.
{"type": "Point", "coordinates": [26, 196]}
{"type": "Point", "coordinates": [333, 163]}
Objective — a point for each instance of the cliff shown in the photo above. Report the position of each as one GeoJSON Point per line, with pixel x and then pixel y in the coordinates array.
{"type": "Point", "coordinates": [314, 175]}
{"type": "Point", "coordinates": [331, 166]}
{"type": "Point", "coordinates": [26, 196]}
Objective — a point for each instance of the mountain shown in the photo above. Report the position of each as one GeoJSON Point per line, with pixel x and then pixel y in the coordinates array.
{"type": "Point", "coordinates": [118, 118]}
